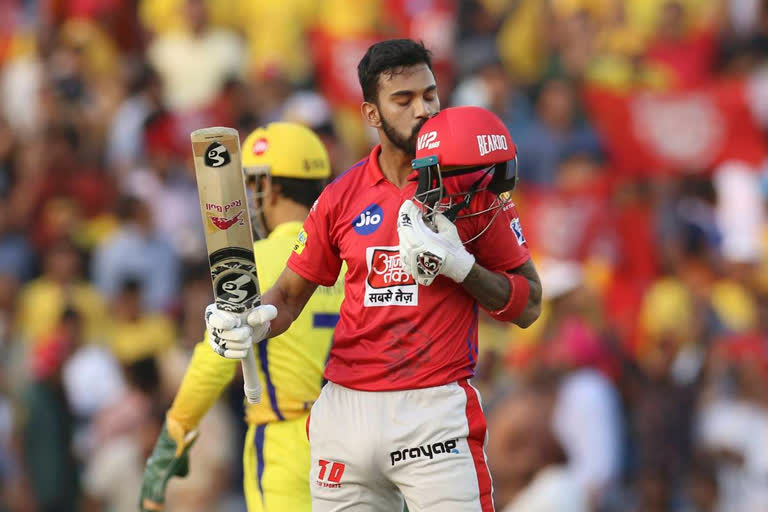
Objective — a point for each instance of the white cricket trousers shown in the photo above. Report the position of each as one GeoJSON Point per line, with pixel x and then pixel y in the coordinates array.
{"type": "Point", "coordinates": [372, 449]}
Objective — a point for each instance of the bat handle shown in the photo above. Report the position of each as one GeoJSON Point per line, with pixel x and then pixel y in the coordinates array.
{"type": "Point", "coordinates": [252, 384]}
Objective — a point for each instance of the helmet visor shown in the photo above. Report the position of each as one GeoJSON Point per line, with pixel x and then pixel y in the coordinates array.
{"type": "Point", "coordinates": [499, 179]}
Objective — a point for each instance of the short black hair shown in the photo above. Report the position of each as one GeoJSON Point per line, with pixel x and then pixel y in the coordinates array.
{"type": "Point", "coordinates": [390, 57]}
{"type": "Point", "coordinates": [142, 77]}
{"type": "Point", "coordinates": [143, 374]}
{"type": "Point", "coordinates": [129, 285]}
{"type": "Point", "coordinates": [304, 192]}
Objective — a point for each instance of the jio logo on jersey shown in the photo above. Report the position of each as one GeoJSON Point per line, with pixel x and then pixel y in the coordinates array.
{"type": "Point", "coordinates": [368, 220]}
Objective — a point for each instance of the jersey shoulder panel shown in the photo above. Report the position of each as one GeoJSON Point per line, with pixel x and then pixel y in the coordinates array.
{"type": "Point", "coordinates": [352, 172]}
{"type": "Point", "coordinates": [343, 185]}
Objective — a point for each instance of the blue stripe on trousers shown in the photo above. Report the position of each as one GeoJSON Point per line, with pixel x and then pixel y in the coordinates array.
{"type": "Point", "coordinates": [264, 361]}
{"type": "Point", "coordinates": [258, 440]}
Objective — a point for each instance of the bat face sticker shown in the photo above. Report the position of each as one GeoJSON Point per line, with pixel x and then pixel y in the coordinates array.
{"type": "Point", "coordinates": [217, 155]}
{"type": "Point", "coordinates": [235, 286]}
{"type": "Point", "coordinates": [224, 223]}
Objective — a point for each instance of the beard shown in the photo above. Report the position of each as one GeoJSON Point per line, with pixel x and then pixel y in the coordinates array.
{"type": "Point", "coordinates": [407, 144]}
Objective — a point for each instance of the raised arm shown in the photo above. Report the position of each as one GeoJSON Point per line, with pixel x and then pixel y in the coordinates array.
{"type": "Point", "coordinates": [289, 295]}
{"type": "Point", "coordinates": [232, 335]}
{"type": "Point", "coordinates": [494, 291]}
{"type": "Point", "coordinates": [511, 296]}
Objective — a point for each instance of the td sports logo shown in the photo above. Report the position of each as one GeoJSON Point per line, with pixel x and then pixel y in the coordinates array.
{"type": "Point", "coordinates": [427, 450]}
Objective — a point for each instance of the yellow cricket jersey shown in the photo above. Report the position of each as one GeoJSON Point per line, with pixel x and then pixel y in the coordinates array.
{"type": "Point", "coordinates": [291, 365]}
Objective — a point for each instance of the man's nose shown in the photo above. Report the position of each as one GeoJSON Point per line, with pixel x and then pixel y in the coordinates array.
{"type": "Point", "coordinates": [423, 109]}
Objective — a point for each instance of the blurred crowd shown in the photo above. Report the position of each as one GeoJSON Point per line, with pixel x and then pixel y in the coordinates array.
{"type": "Point", "coordinates": [641, 131]}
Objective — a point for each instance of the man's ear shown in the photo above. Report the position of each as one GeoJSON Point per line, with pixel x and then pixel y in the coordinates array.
{"type": "Point", "coordinates": [371, 114]}
{"type": "Point", "coordinates": [274, 192]}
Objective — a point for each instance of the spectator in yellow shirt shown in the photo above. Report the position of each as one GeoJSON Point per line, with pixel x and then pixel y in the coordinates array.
{"type": "Point", "coordinates": [137, 334]}
{"type": "Point", "coordinates": [42, 301]}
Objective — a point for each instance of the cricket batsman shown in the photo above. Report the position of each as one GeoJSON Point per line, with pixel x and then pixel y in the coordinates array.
{"type": "Point", "coordinates": [286, 166]}
{"type": "Point", "coordinates": [427, 243]}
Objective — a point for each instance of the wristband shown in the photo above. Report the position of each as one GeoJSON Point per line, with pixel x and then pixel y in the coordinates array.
{"type": "Point", "coordinates": [519, 290]}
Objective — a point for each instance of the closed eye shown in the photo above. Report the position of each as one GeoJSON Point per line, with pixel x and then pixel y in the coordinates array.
{"type": "Point", "coordinates": [402, 98]}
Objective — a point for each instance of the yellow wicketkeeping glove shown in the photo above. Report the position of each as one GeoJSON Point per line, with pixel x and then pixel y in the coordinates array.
{"type": "Point", "coordinates": [169, 458]}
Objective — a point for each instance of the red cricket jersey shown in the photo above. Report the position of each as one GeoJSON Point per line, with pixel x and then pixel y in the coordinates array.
{"type": "Point", "coordinates": [392, 333]}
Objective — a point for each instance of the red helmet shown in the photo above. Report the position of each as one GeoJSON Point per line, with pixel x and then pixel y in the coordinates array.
{"type": "Point", "coordinates": [462, 140]}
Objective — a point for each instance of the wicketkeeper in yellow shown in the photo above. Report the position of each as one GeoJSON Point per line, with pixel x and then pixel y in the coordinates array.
{"type": "Point", "coordinates": [287, 167]}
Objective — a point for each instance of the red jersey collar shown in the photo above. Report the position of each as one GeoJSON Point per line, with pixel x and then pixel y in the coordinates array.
{"type": "Point", "coordinates": [374, 170]}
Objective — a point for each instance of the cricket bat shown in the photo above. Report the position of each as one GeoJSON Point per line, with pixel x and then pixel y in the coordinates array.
{"type": "Point", "coordinates": [228, 235]}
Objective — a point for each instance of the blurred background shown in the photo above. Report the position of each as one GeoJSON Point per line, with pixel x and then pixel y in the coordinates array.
{"type": "Point", "coordinates": [641, 127]}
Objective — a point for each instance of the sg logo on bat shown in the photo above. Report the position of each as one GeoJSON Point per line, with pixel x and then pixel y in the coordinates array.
{"type": "Point", "coordinates": [217, 155]}
{"type": "Point", "coordinates": [235, 286]}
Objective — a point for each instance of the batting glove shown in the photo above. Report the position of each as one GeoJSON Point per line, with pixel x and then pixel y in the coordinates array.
{"type": "Point", "coordinates": [231, 335]}
{"type": "Point", "coordinates": [424, 253]}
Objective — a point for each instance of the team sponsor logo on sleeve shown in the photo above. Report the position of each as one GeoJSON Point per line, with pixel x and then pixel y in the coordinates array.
{"type": "Point", "coordinates": [517, 229]}
{"type": "Point", "coordinates": [506, 199]}
{"type": "Point", "coordinates": [301, 241]}
{"type": "Point", "coordinates": [368, 220]}
{"type": "Point", "coordinates": [388, 284]}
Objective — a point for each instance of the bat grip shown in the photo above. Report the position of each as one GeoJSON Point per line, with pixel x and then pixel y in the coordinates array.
{"type": "Point", "coordinates": [252, 384]}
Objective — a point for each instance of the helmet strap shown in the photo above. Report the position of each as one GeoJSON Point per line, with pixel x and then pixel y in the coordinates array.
{"type": "Point", "coordinates": [429, 189]}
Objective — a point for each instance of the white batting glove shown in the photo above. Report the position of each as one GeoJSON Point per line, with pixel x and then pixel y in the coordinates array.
{"type": "Point", "coordinates": [231, 335]}
{"type": "Point", "coordinates": [426, 254]}
{"type": "Point", "coordinates": [260, 319]}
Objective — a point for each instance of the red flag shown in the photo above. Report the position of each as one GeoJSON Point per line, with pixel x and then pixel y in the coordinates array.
{"type": "Point", "coordinates": [686, 131]}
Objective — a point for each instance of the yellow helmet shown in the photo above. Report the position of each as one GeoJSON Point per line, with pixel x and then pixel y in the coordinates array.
{"type": "Point", "coordinates": [285, 150]}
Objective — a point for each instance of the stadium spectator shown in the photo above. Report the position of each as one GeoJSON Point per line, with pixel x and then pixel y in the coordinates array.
{"type": "Point", "coordinates": [167, 187]}
{"type": "Point", "coordinates": [136, 332]}
{"type": "Point", "coordinates": [527, 460]}
{"type": "Point", "coordinates": [139, 252]}
{"type": "Point", "coordinates": [556, 131]}
{"type": "Point", "coordinates": [194, 62]}
{"type": "Point", "coordinates": [48, 427]}
{"type": "Point", "coordinates": [641, 133]}
{"type": "Point", "coordinates": [42, 301]}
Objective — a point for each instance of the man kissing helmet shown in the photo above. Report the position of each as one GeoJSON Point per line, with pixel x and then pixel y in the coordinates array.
{"type": "Point", "coordinates": [462, 141]}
